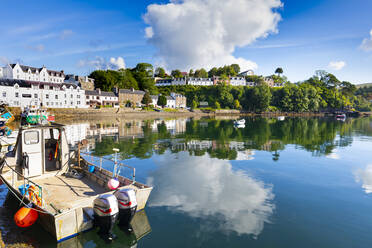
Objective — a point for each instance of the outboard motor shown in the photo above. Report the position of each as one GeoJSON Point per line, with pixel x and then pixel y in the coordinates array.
{"type": "Point", "coordinates": [127, 202]}
{"type": "Point", "coordinates": [105, 214]}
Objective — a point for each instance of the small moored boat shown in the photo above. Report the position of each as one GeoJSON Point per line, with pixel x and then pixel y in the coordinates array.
{"type": "Point", "coordinates": [61, 185]}
{"type": "Point", "coordinates": [340, 116]}
{"type": "Point", "coordinates": [239, 122]}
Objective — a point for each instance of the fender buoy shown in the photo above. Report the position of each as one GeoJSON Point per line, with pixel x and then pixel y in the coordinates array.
{"type": "Point", "coordinates": [113, 184]}
{"type": "Point", "coordinates": [25, 217]}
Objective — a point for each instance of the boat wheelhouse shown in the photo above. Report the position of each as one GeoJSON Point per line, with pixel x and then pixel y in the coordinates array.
{"type": "Point", "coordinates": [60, 184]}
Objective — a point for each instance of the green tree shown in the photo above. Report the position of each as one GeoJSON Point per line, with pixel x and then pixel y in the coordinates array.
{"type": "Point", "coordinates": [279, 71]}
{"type": "Point", "coordinates": [236, 68]}
{"type": "Point", "coordinates": [201, 73]}
{"type": "Point", "coordinates": [160, 72]}
{"type": "Point", "coordinates": [146, 99]}
{"type": "Point", "coordinates": [217, 105]}
{"type": "Point", "coordinates": [236, 104]}
{"type": "Point", "coordinates": [162, 101]}
{"type": "Point", "coordinates": [194, 104]}
{"type": "Point", "coordinates": [176, 74]}
{"type": "Point", "coordinates": [143, 73]}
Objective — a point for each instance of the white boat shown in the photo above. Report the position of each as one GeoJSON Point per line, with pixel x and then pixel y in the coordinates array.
{"type": "Point", "coordinates": [42, 160]}
{"type": "Point", "coordinates": [281, 118]}
{"type": "Point", "coordinates": [239, 122]}
{"type": "Point", "coordinates": [8, 141]}
{"type": "Point", "coordinates": [341, 116]}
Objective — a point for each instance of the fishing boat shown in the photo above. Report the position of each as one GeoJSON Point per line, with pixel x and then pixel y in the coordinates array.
{"type": "Point", "coordinates": [239, 122]}
{"type": "Point", "coordinates": [281, 118]}
{"type": "Point", "coordinates": [60, 184]}
{"type": "Point", "coordinates": [8, 140]}
{"type": "Point", "coordinates": [35, 115]}
{"type": "Point", "coordinates": [6, 116]}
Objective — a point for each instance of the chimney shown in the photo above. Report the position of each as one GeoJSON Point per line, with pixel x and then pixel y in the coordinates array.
{"type": "Point", "coordinates": [116, 90]}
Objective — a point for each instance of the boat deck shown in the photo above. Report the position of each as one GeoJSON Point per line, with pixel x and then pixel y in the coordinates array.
{"type": "Point", "coordinates": [67, 193]}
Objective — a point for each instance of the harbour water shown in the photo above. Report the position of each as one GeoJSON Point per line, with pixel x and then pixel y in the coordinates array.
{"type": "Point", "coordinates": [297, 182]}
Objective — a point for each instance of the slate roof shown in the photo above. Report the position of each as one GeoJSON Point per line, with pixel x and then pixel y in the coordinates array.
{"type": "Point", "coordinates": [105, 93]}
{"type": "Point", "coordinates": [126, 91]}
{"type": "Point", "coordinates": [91, 92]}
{"type": "Point", "coordinates": [12, 82]}
{"type": "Point", "coordinates": [34, 69]}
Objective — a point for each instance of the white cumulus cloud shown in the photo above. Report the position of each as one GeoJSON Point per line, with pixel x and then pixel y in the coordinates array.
{"type": "Point", "coordinates": [209, 188]}
{"type": "Point", "coordinates": [367, 43]}
{"type": "Point", "coordinates": [205, 33]}
{"type": "Point", "coordinates": [336, 65]}
{"type": "Point", "coordinates": [100, 63]}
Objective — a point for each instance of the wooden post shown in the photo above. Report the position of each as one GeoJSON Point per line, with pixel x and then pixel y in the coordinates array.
{"type": "Point", "coordinates": [79, 154]}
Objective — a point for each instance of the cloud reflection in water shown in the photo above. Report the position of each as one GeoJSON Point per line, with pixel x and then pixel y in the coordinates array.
{"type": "Point", "coordinates": [365, 176]}
{"type": "Point", "coordinates": [207, 187]}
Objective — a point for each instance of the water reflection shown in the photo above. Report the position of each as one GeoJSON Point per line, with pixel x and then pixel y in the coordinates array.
{"type": "Point", "coordinates": [141, 227]}
{"type": "Point", "coordinates": [205, 187]}
{"type": "Point", "coordinates": [365, 177]}
{"type": "Point", "coordinates": [220, 139]}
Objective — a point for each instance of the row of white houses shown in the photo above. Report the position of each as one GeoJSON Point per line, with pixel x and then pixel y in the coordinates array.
{"type": "Point", "coordinates": [21, 93]}
{"type": "Point", "coordinates": [24, 86]}
{"type": "Point", "coordinates": [233, 81]}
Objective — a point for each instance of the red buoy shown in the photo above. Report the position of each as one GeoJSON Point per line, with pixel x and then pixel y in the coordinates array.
{"type": "Point", "coordinates": [26, 217]}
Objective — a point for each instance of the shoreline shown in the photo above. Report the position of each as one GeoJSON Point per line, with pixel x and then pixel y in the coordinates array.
{"type": "Point", "coordinates": [78, 114]}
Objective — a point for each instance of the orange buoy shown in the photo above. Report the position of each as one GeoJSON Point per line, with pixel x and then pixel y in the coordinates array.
{"type": "Point", "coordinates": [25, 217]}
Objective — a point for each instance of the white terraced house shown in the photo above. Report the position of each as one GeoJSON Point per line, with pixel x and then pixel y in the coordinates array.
{"type": "Point", "coordinates": [22, 86]}
{"type": "Point", "coordinates": [22, 72]}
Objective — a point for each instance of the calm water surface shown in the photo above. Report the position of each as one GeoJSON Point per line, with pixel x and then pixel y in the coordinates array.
{"type": "Point", "coordinates": [301, 182]}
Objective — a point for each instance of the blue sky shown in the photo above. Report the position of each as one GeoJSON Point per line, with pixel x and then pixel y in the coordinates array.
{"type": "Point", "coordinates": [78, 36]}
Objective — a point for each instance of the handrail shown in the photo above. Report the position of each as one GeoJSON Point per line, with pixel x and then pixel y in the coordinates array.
{"type": "Point", "coordinates": [120, 164]}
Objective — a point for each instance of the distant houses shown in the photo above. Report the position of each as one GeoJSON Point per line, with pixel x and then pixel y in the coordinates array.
{"type": "Point", "coordinates": [233, 81]}
{"type": "Point", "coordinates": [24, 86]}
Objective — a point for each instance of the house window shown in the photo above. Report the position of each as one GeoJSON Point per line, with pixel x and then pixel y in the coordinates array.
{"type": "Point", "coordinates": [4, 94]}
{"type": "Point", "coordinates": [65, 102]}
{"type": "Point", "coordinates": [56, 96]}
{"type": "Point", "coordinates": [78, 102]}
{"type": "Point", "coordinates": [72, 103]}
{"type": "Point", "coordinates": [72, 96]}
{"type": "Point", "coordinates": [65, 95]}
{"type": "Point", "coordinates": [47, 103]}
{"type": "Point", "coordinates": [35, 95]}
{"type": "Point", "coordinates": [16, 94]}
{"type": "Point", "coordinates": [47, 96]}
{"type": "Point", "coordinates": [78, 96]}
{"type": "Point", "coordinates": [46, 87]}
{"type": "Point", "coordinates": [87, 97]}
